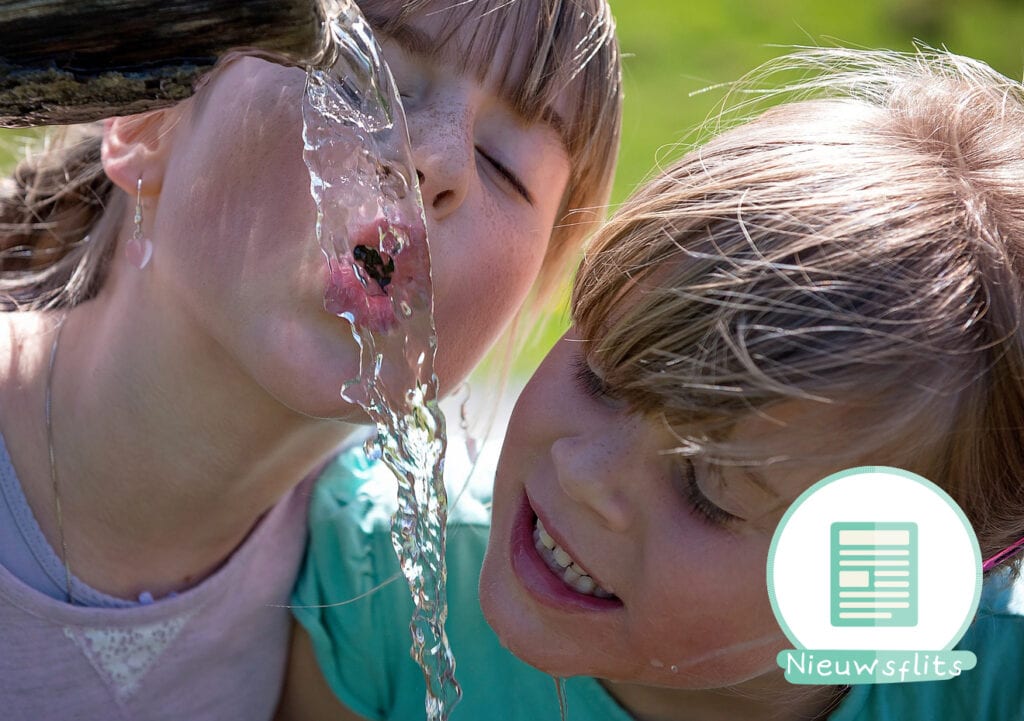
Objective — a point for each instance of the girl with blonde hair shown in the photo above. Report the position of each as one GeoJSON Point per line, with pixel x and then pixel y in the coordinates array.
{"type": "Point", "coordinates": [835, 283]}
{"type": "Point", "coordinates": [171, 374]}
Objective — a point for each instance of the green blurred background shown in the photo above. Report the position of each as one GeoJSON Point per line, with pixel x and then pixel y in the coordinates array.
{"type": "Point", "coordinates": [674, 48]}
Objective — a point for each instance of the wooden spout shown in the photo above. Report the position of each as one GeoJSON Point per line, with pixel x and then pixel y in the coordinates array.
{"type": "Point", "coordinates": [73, 61]}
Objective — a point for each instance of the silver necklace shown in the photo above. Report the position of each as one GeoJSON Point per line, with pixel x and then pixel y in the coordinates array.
{"type": "Point", "coordinates": [53, 462]}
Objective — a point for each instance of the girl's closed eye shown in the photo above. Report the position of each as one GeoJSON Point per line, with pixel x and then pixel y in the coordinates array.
{"type": "Point", "coordinates": [506, 175]}
{"type": "Point", "coordinates": [699, 503]}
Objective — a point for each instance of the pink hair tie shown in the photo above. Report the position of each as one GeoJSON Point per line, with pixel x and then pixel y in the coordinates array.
{"type": "Point", "coordinates": [991, 562]}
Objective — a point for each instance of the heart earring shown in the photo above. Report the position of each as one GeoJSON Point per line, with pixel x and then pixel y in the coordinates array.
{"type": "Point", "coordinates": [138, 249]}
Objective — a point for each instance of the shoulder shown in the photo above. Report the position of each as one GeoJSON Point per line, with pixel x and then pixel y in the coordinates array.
{"type": "Point", "coordinates": [355, 490]}
{"type": "Point", "coordinates": [350, 597]}
{"type": "Point", "coordinates": [988, 692]}
{"type": "Point", "coordinates": [349, 547]}
{"type": "Point", "coordinates": [352, 489]}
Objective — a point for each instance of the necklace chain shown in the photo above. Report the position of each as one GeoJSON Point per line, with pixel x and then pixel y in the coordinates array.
{"type": "Point", "coordinates": [53, 462]}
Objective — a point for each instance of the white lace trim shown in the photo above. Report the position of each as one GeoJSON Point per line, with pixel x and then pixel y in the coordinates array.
{"type": "Point", "coordinates": [122, 656]}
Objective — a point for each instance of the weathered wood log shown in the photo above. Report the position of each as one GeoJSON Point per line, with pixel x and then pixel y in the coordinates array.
{"type": "Point", "coordinates": [72, 61]}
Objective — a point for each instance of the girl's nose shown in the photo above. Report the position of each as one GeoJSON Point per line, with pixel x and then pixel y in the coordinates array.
{"type": "Point", "coordinates": [443, 150]}
{"type": "Point", "coordinates": [589, 475]}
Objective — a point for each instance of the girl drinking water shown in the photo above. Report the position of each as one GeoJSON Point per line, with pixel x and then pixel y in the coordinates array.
{"type": "Point", "coordinates": [159, 409]}
{"type": "Point", "coordinates": [835, 283]}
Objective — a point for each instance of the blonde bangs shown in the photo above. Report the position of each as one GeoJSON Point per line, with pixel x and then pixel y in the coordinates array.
{"type": "Point", "coordinates": [571, 51]}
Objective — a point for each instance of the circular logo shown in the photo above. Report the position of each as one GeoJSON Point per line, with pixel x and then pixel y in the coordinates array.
{"type": "Point", "coordinates": [874, 558]}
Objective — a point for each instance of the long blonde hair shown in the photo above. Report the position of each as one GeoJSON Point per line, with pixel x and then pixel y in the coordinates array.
{"type": "Point", "coordinates": [860, 246]}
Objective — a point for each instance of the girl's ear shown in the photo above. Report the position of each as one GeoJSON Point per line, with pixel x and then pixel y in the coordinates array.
{"type": "Point", "coordinates": [138, 146]}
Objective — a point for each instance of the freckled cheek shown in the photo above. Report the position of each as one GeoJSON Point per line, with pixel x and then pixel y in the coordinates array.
{"type": "Point", "coordinates": [467, 324]}
{"type": "Point", "coordinates": [710, 585]}
{"type": "Point", "coordinates": [707, 635]}
{"type": "Point", "coordinates": [475, 298]}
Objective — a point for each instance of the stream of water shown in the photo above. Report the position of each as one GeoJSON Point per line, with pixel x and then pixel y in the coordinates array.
{"type": "Point", "coordinates": [371, 229]}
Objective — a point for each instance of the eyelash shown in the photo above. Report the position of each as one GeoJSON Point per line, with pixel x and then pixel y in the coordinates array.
{"type": "Point", "coordinates": [587, 380]}
{"type": "Point", "coordinates": [700, 503]}
{"type": "Point", "coordinates": [508, 175]}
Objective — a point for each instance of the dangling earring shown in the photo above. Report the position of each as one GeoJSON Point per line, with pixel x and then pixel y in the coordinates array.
{"type": "Point", "coordinates": [138, 249]}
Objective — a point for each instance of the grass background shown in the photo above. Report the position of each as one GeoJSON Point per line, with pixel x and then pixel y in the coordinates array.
{"type": "Point", "coordinates": [674, 48]}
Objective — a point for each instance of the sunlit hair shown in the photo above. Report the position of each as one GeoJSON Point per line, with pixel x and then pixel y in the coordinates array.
{"type": "Point", "coordinates": [49, 209]}
{"type": "Point", "coordinates": [860, 247]}
{"type": "Point", "coordinates": [59, 194]}
{"type": "Point", "coordinates": [571, 52]}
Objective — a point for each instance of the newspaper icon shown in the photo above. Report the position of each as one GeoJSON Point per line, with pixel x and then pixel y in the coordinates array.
{"type": "Point", "coordinates": [874, 574]}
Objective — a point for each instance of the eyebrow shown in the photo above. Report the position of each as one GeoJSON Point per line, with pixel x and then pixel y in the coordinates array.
{"type": "Point", "coordinates": [419, 42]}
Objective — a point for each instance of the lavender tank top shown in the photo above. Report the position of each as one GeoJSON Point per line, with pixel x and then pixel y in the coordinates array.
{"type": "Point", "coordinates": [214, 652]}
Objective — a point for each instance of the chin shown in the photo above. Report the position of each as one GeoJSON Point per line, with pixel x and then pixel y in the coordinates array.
{"type": "Point", "coordinates": [311, 394]}
{"type": "Point", "coordinates": [516, 626]}
{"type": "Point", "coordinates": [322, 401]}
{"type": "Point", "coordinates": [524, 645]}
{"type": "Point", "coordinates": [546, 651]}
{"type": "Point", "coordinates": [350, 414]}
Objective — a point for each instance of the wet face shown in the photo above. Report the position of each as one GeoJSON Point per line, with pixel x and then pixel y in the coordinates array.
{"type": "Point", "coordinates": [233, 223]}
{"type": "Point", "coordinates": [672, 551]}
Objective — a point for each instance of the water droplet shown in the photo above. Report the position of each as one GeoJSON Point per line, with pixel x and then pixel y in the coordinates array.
{"type": "Point", "coordinates": [399, 239]}
{"type": "Point", "coordinates": [673, 668]}
{"type": "Point", "coordinates": [372, 449]}
{"type": "Point", "coordinates": [365, 212]}
{"type": "Point", "coordinates": [393, 185]}
{"type": "Point", "coordinates": [361, 170]}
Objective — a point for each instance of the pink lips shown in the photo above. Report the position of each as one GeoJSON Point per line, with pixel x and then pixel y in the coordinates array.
{"type": "Point", "coordinates": [538, 580]}
{"type": "Point", "coordinates": [372, 307]}
{"type": "Point", "coordinates": [369, 305]}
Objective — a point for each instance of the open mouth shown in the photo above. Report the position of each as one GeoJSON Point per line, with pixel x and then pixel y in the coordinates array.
{"type": "Point", "coordinates": [547, 570]}
{"type": "Point", "coordinates": [366, 285]}
{"type": "Point", "coordinates": [378, 266]}
{"type": "Point", "coordinates": [368, 306]}
{"type": "Point", "coordinates": [563, 565]}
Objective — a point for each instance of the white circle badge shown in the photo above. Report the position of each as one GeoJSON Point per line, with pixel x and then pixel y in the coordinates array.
{"type": "Point", "coordinates": [874, 559]}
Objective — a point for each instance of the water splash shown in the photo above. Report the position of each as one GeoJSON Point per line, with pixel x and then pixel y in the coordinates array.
{"type": "Point", "coordinates": [371, 229]}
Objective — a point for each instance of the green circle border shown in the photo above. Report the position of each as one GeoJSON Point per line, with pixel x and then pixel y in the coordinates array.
{"type": "Point", "coordinates": [862, 470]}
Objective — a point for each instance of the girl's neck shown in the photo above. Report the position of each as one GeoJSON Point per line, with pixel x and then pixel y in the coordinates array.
{"type": "Point", "coordinates": [167, 453]}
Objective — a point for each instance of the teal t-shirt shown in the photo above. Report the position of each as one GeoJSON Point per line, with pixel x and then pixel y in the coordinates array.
{"type": "Point", "coordinates": [362, 644]}
{"type": "Point", "coordinates": [355, 605]}
{"type": "Point", "coordinates": [991, 691]}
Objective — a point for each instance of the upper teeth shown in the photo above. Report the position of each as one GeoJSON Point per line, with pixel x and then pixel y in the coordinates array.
{"type": "Point", "coordinates": [562, 563]}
